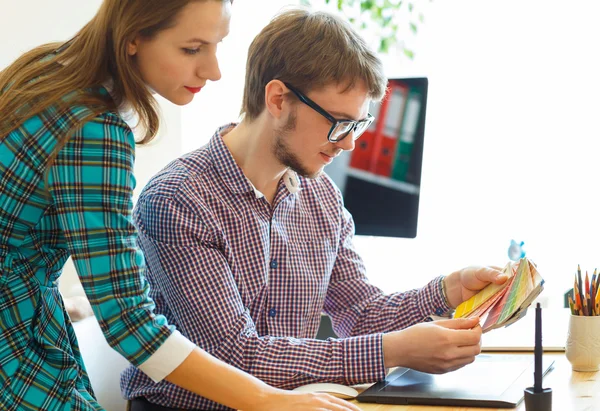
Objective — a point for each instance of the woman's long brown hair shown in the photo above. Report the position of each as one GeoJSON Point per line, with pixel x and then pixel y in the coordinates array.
{"type": "Point", "coordinates": [58, 74]}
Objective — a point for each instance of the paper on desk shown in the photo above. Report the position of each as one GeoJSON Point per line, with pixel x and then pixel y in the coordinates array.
{"type": "Point", "coordinates": [502, 305]}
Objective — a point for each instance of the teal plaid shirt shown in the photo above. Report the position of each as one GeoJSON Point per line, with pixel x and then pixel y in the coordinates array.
{"type": "Point", "coordinates": [84, 211]}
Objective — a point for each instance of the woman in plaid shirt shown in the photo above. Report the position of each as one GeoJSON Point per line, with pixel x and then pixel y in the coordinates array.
{"type": "Point", "coordinates": [66, 182]}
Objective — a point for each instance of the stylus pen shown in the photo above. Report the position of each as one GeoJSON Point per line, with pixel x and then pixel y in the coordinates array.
{"type": "Point", "coordinates": [537, 376]}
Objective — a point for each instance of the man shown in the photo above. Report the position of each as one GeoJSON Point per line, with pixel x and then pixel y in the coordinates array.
{"type": "Point", "coordinates": [247, 242]}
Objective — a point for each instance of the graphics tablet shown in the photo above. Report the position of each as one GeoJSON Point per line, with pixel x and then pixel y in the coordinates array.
{"type": "Point", "coordinates": [493, 380]}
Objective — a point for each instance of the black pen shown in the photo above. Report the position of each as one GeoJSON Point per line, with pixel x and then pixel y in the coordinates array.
{"type": "Point", "coordinates": [536, 397]}
{"type": "Point", "coordinates": [537, 375]}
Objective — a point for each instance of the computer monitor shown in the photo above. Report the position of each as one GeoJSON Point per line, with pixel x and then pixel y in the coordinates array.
{"type": "Point", "coordinates": [381, 179]}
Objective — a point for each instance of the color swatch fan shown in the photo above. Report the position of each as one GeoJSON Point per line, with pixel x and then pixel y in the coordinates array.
{"type": "Point", "coordinates": [502, 305]}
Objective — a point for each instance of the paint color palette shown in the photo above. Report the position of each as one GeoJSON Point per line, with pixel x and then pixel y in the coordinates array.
{"type": "Point", "coordinates": [501, 305]}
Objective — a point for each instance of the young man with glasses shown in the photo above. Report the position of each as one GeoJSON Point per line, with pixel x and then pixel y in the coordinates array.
{"type": "Point", "coordinates": [248, 242]}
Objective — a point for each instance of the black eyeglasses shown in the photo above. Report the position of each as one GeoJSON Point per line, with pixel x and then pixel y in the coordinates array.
{"type": "Point", "coordinates": [340, 129]}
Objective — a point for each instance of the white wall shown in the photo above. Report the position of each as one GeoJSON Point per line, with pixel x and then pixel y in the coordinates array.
{"type": "Point", "coordinates": [28, 23]}
{"type": "Point", "coordinates": [511, 141]}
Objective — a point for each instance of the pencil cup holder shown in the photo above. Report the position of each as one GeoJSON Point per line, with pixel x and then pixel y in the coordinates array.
{"type": "Point", "coordinates": [583, 343]}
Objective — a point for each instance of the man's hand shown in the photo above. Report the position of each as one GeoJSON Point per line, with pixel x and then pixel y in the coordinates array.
{"type": "Point", "coordinates": [462, 285]}
{"type": "Point", "coordinates": [435, 347]}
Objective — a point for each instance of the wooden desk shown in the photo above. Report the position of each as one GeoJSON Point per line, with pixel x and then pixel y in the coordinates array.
{"type": "Point", "coordinates": [571, 391]}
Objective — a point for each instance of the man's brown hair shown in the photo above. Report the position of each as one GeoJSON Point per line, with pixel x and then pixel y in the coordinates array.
{"type": "Point", "coordinates": [309, 50]}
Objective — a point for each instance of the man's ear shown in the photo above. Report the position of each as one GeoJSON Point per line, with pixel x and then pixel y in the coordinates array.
{"type": "Point", "coordinates": [275, 102]}
{"type": "Point", "coordinates": [132, 46]}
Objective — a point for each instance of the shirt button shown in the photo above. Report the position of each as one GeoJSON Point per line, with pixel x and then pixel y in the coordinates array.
{"type": "Point", "coordinates": [439, 311]}
{"type": "Point", "coordinates": [273, 264]}
{"type": "Point", "coordinates": [272, 312]}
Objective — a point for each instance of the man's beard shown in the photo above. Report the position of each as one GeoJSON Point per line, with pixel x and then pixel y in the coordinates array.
{"type": "Point", "coordinates": [283, 153]}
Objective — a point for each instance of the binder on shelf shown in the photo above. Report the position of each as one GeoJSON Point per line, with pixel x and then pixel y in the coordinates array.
{"type": "Point", "coordinates": [384, 148]}
{"type": "Point", "coordinates": [361, 156]}
{"type": "Point", "coordinates": [406, 138]}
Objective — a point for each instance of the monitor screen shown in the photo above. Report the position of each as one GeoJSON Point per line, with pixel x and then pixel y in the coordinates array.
{"type": "Point", "coordinates": [381, 178]}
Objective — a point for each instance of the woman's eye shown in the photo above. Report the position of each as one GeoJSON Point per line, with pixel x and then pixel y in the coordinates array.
{"type": "Point", "coordinates": [191, 51]}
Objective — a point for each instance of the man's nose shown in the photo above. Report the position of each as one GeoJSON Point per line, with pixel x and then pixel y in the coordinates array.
{"type": "Point", "coordinates": [347, 143]}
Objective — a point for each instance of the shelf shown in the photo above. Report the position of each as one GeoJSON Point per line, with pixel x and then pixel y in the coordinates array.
{"type": "Point", "coordinates": [383, 181]}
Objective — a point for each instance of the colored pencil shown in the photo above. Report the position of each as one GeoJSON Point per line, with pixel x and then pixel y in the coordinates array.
{"type": "Point", "coordinates": [578, 304]}
{"type": "Point", "coordinates": [579, 284]}
{"type": "Point", "coordinates": [587, 289]}
{"type": "Point", "coordinates": [593, 288]}
{"type": "Point", "coordinates": [572, 306]}
{"type": "Point", "coordinates": [593, 295]}
{"type": "Point", "coordinates": [597, 281]}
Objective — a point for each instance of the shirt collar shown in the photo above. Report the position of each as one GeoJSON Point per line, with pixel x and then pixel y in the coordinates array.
{"type": "Point", "coordinates": [232, 175]}
{"type": "Point", "coordinates": [290, 180]}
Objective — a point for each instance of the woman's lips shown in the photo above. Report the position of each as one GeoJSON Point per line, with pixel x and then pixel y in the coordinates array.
{"type": "Point", "coordinates": [193, 89]}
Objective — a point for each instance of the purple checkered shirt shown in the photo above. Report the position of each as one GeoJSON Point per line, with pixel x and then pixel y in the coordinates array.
{"type": "Point", "coordinates": [247, 280]}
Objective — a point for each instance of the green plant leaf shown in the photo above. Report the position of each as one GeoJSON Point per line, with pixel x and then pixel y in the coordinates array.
{"type": "Point", "coordinates": [381, 16]}
{"type": "Point", "coordinates": [377, 13]}
{"type": "Point", "coordinates": [366, 5]}
{"type": "Point", "coordinates": [384, 45]}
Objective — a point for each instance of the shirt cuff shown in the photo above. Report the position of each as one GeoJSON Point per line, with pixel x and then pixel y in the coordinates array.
{"type": "Point", "coordinates": [363, 359]}
{"type": "Point", "coordinates": [432, 301]}
{"type": "Point", "coordinates": [169, 356]}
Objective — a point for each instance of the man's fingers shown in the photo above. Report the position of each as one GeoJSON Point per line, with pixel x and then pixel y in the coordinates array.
{"type": "Point", "coordinates": [486, 275]}
{"type": "Point", "coordinates": [452, 365]}
{"type": "Point", "coordinates": [462, 356]}
{"type": "Point", "coordinates": [459, 363]}
{"type": "Point", "coordinates": [468, 331]}
{"type": "Point", "coordinates": [459, 323]}
{"type": "Point", "coordinates": [468, 338]}
{"type": "Point", "coordinates": [497, 275]}
{"type": "Point", "coordinates": [467, 351]}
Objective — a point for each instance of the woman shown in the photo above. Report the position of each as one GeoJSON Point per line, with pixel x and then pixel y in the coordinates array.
{"type": "Point", "coordinates": [66, 160]}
